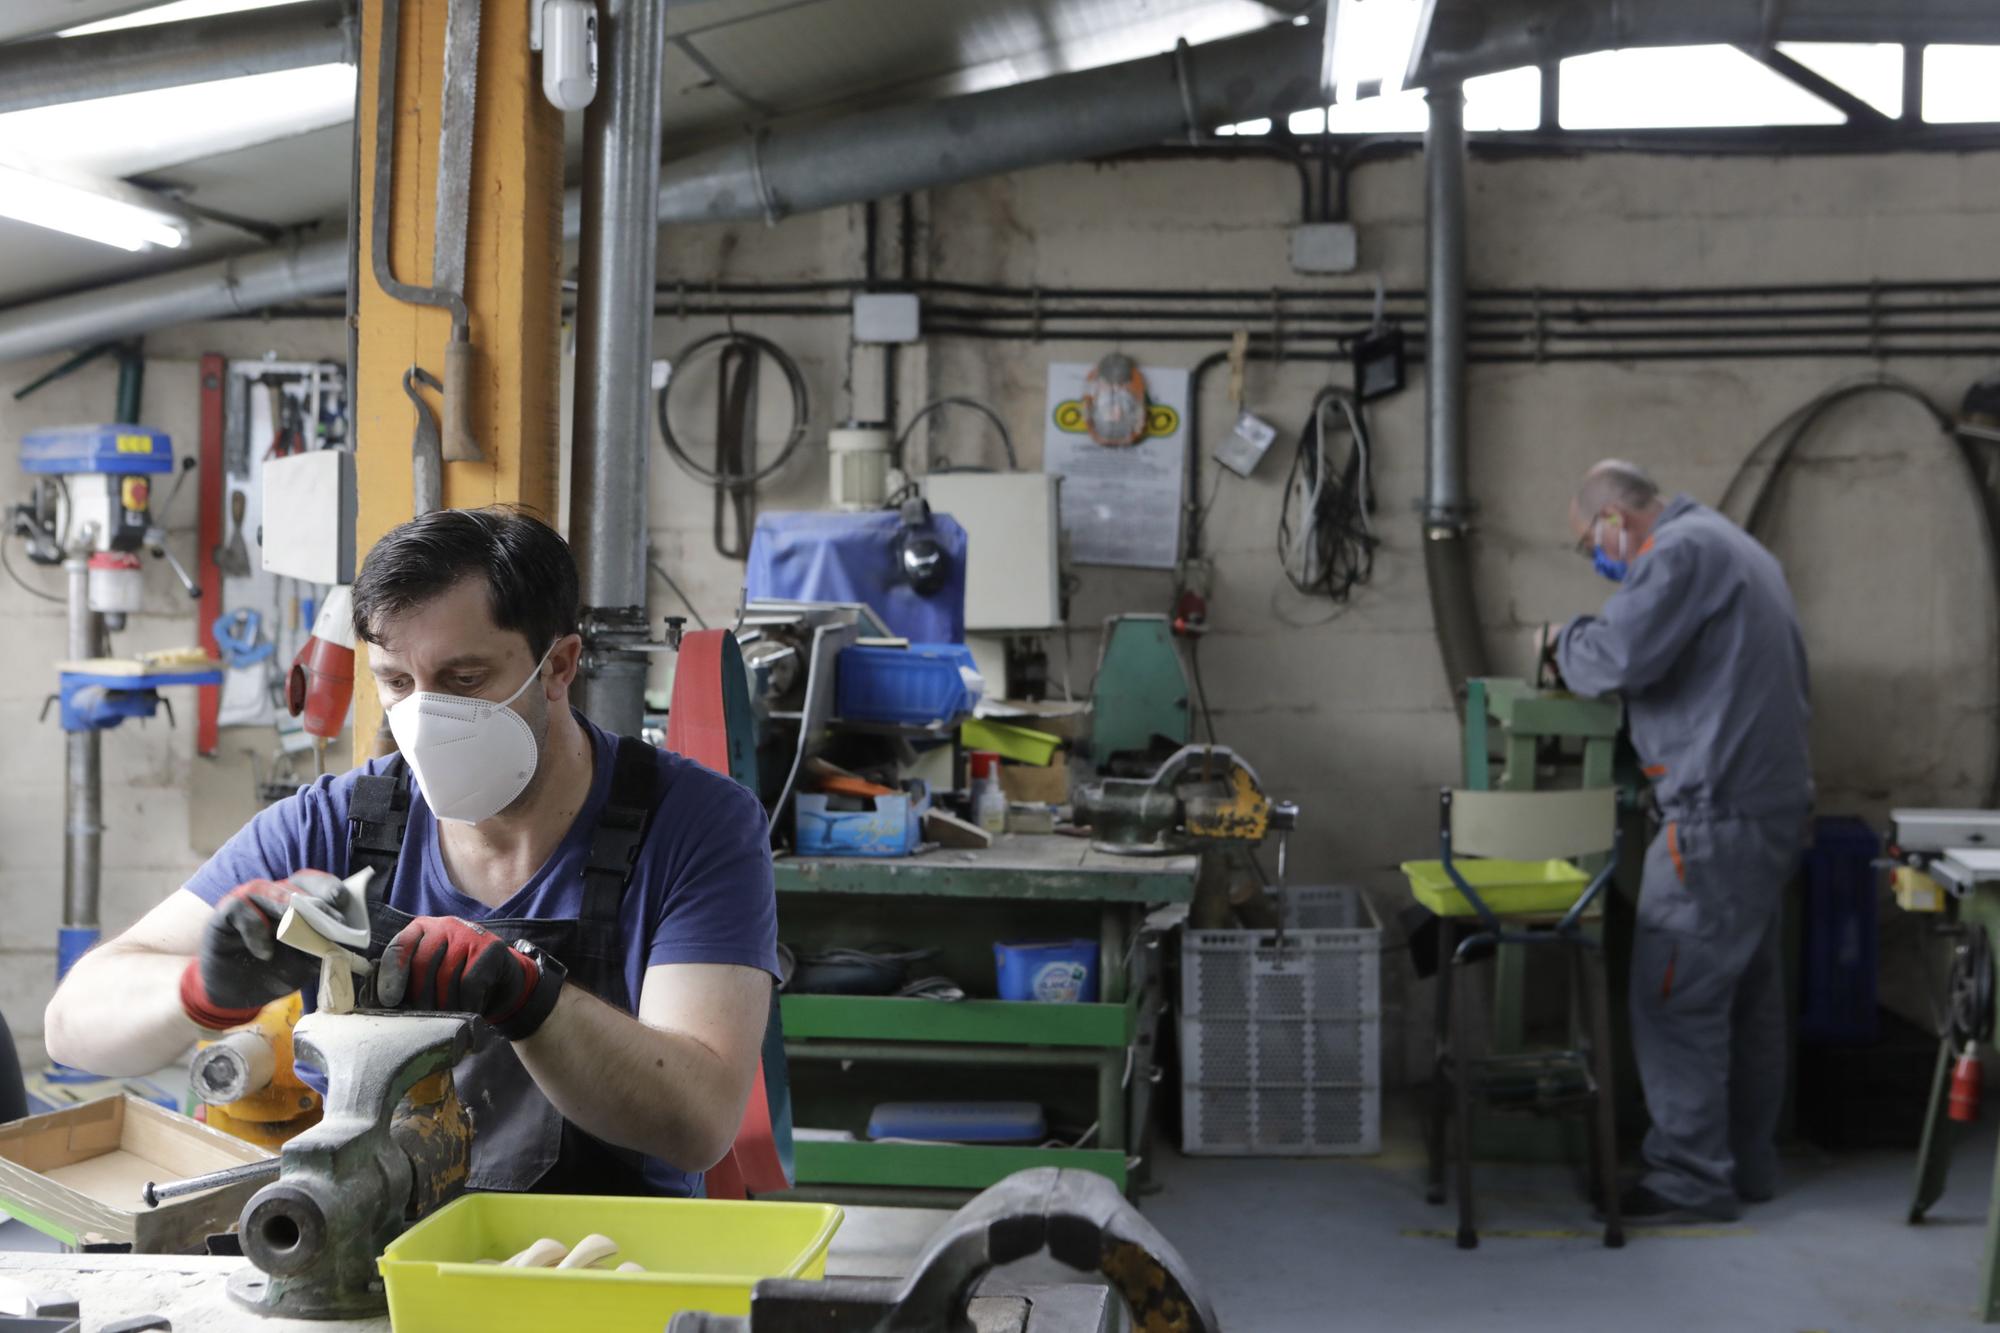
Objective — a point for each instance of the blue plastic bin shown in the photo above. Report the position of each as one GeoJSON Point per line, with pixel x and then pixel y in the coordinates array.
{"type": "Point", "coordinates": [921, 685]}
{"type": "Point", "coordinates": [1052, 971]}
{"type": "Point", "coordinates": [1837, 957]}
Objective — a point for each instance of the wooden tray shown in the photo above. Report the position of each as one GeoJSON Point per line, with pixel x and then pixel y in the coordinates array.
{"type": "Point", "coordinates": [76, 1175]}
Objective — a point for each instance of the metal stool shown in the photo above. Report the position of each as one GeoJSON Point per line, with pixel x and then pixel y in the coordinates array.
{"type": "Point", "coordinates": [1525, 826]}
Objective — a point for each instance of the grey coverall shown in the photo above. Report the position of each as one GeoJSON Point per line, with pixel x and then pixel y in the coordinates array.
{"type": "Point", "coordinates": [1702, 641]}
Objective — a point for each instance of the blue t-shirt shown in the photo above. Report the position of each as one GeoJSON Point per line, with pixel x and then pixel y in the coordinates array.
{"type": "Point", "coordinates": [700, 892]}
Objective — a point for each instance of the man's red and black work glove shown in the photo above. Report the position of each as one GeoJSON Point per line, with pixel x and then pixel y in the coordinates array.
{"type": "Point", "coordinates": [446, 963]}
{"type": "Point", "coordinates": [241, 967]}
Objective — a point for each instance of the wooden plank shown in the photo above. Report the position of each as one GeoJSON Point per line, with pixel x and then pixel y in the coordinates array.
{"type": "Point", "coordinates": [513, 294]}
{"type": "Point", "coordinates": [940, 1165]}
{"type": "Point", "coordinates": [984, 1022]}
{"type": "Point", "coordinates": [88, 1157]}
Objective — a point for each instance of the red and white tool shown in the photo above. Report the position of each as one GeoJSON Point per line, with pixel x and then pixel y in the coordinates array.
{"type": "Point", "coordinates": [320, 685]}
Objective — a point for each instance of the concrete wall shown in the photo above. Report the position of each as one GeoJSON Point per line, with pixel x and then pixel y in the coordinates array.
{"type": "Point", "coordinates": [1347, 713]}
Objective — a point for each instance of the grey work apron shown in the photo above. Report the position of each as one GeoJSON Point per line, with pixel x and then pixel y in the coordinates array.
{"type": "Point", "coordinates": [520, 1140]}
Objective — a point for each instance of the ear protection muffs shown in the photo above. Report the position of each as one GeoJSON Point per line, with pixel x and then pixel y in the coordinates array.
{"type": "Point", "coordinates": [919, 556]}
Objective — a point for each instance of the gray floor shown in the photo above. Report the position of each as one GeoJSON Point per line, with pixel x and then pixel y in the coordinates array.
{"type": "Point", "coordinates": [1326, 1244]}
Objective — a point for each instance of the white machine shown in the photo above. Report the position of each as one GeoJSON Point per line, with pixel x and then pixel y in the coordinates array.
{"type": "Point", "coordinates": [1013, 529]}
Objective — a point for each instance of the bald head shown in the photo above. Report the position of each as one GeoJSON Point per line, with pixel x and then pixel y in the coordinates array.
{"type": "Point", "coordinates": [1617, 491]}
{"type": "Point", "coordinates": [1615, 483]}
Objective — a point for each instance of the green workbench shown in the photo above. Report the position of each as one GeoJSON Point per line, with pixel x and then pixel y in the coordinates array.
{"type": "Point", "coordinates": [962, 902]}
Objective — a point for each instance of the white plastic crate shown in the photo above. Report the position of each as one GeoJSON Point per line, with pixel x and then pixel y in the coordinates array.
{"type": "Point", "coordinates": [1281, 1043]}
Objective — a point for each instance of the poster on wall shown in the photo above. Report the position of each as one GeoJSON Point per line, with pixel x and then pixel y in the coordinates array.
{"type": "Point", "coordinates": [1120, 505]}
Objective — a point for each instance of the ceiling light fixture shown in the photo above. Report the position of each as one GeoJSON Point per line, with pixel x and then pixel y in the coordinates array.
{"type": "Point", "coordinates": [77, 210]}
{"type": "Point", "coordinates": [1368, 46]}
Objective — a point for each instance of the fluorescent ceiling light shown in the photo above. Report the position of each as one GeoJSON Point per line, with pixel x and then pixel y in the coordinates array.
{"type": "Point", "coordinates": [1371, 42]}
{"type": "Point", "coordinates": [175, 12]}
{"type": "Point", "coordinates": [28, 196]}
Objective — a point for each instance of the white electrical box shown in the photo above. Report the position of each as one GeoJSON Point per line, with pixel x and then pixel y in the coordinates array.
{"type": "Point", "coordinates": [1324, 247]}
{"type": "Point", "coordinates": [1013, 527]}
{"type": "Point", "coordinates": [886, 317]}
{"type": "Point", "coordinates": [307, 519]}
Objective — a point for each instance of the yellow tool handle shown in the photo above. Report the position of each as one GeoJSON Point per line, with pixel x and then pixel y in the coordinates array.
{"type": "Point", "coordinates": [456, 419]}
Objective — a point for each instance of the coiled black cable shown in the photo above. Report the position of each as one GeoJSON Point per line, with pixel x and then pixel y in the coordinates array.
{"type": "Point", "coordinates": [1326, 545]}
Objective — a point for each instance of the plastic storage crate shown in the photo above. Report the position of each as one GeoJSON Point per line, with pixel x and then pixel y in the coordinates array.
{"type": "Point", "coordinates": [1281, 1044]}
{"type": "Point", "coordinates": [926, 684]}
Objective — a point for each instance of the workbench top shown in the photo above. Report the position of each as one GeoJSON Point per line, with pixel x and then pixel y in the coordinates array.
{"type": "Point", "coordinates": [1045, 866]}
{"type": "Point", "coordinates": [188, 1289]}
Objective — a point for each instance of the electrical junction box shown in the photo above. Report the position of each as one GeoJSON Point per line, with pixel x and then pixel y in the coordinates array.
{"type": "Point", "coordinates": [1324, 247]}
{"type": "Point", "coordinates": [1013, 527]}
{"type": "Point", "coordinates": [886, 317]}
{"type": "Point", "coordinates": [307, 521]}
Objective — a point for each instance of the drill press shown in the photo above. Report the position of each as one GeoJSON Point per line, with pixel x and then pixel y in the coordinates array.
{"type": "Point", "coordinates": [90, 511]}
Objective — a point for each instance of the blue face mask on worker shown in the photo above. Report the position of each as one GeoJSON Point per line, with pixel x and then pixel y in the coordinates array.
{"type": "Point", "coordinates": [1602, 560]}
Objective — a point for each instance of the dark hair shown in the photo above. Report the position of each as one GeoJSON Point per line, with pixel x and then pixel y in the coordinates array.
{"type": "Point", "coordinates": [530, 575]}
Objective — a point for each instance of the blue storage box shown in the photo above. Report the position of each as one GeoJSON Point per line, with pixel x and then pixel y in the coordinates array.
{"type": "Point", "coordinates": [893, 828]}
{"type": "Point", "coordinates": [959, 1122]}
{"type": "Point", "coordinates": [1052, 971]}
{"type": "Point", "coordinates": [121, 450]}
{"type": "Point", "coordinates": [1837, 956]}
{"type": "Point", "coordinates": [926, 684]}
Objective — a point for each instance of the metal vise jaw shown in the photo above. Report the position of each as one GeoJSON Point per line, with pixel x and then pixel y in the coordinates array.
{"type": "Point", "coordinates": [1203, 796]}
{"type": "Point", "coordinates": [395, 1143]}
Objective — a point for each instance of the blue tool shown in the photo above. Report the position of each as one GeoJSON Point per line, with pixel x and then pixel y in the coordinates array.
{"type": "Point", "coordinates": [239, 634]}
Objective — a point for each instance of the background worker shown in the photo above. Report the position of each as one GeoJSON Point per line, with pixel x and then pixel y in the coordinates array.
{"type": "Point", "coordinates": [1702, 642]}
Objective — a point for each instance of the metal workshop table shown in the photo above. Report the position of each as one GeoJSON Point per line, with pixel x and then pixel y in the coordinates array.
{"type": "Point", "coordinates": [871, 1242]}
{"type": "Point", "coordinates": [1024, 886]}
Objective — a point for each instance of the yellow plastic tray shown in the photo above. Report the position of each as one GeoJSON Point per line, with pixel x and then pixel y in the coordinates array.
{"type": "Point", "coordinates": [699, 1254]}
{"type": "Point", "coordinates": [1021, 744]}
{"type": "Point", "coordinates": [1508, 887]}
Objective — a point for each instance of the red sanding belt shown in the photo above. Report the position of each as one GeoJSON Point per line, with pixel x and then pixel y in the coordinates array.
{"type": "Point", "coordinates": [698, 729]}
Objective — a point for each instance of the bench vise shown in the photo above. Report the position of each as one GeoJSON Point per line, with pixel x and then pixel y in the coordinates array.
{"type": "Point", "coordinates": [1202, 797]}
{"type": "Point", "coordinates": [394, 1144]}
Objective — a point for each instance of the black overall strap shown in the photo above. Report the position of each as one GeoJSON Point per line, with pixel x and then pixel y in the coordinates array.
{"type": "Point", "coordinates": [620, 832]}
{"type": "Point", "coordinates": [378, 811]}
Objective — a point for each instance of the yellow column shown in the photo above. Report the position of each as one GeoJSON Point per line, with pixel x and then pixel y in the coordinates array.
{"type": "Point", "coordinates": [513, 273]}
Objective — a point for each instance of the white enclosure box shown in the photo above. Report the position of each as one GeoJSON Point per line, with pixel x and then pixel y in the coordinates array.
{"type": "Point", "coordinates": [308, 516]}
{"type": "Point", "coordinates": [887, 317]}
{"type": "Point", "coordinates": [1013, 525]}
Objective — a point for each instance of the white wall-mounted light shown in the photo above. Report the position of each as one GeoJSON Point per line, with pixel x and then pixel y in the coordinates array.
{"type": "Point", "coordinates": [78, 210]}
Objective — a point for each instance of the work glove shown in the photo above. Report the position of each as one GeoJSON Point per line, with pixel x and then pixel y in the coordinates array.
{"type": "Point", "coordinates": [447, 963]}
{"type": "Point", "coordinates": [240, 966]}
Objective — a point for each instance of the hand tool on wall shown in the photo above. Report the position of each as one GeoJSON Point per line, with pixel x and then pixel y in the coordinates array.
{"type": "Point", "coordinates": [1077, 1217]}
{"type": "Point", "coordinates": [426, 449]}
{"type": "Point", "coordinates": [447, 286]}
{"type": "Point", "coordinates": [234, 559]}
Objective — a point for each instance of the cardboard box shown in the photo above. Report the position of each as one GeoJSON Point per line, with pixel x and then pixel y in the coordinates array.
{"type": "Point", "coordinates": [1030, 785]}
{"type": "Point", "coordinates": [77, 1175]}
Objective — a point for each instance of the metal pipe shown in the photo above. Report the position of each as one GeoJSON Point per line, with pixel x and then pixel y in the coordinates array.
{"type": "Point", "coordinates": [614, 357]}
{"type": "Point", "coordinates": [900, 149]}
{"type": "Point", "coordinates": [1447, 568]}
{"type": "Point", "coordinates": [840, 161]}
{"type": "Point", "coordinates": [170, 55]}
{"type": "Point", "coordinates": [1444, 309]}
{"type": "Point", "coordinates": [83, 777]}
{"type": "Point", "coordinates": [181, 296]}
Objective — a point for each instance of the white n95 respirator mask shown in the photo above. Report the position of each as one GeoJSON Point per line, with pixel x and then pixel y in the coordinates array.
{"type": "Point", "coordinates": [472, 757]}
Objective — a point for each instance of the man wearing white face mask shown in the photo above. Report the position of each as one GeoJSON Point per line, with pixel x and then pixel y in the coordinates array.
{"type": "Point", "coordinates": [1702, 641]}
{"type": "Point", "coordinates": [604, 907]}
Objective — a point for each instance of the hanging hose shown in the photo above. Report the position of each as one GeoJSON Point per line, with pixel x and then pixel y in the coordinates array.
{"type": "Point", "coordinates": [1006, 440]}
{"type": "Point", "coordinates": [1748, 501]}
{"type": "Point", "coordinates": [795, 380]}
{"type": "Point", "coordinates": [1326, 544]}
